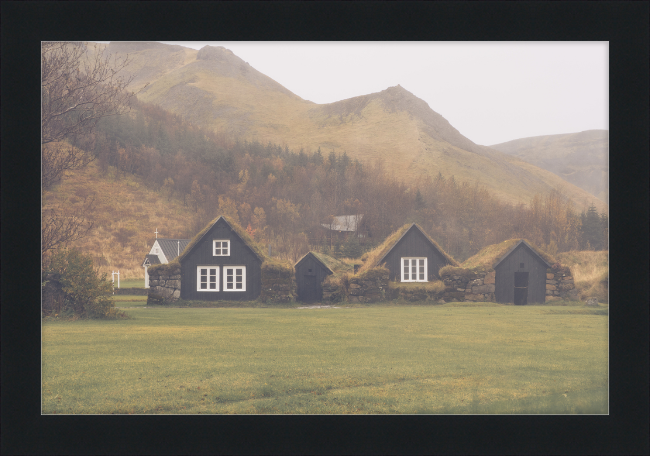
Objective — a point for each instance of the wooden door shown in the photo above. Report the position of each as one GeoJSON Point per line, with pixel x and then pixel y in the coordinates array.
{"type": "Point", "coordinates": [310, 290]}
{"type": "Point", "coordinates": [521, 288]}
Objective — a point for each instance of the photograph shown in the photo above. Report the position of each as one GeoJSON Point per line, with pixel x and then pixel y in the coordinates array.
{"type": "Point", "coordinates": [325, 228]}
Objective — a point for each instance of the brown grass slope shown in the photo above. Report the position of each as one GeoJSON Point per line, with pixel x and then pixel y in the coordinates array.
{"type": "Point", "coordinates": [216, 89]}
{"type": "Point", "coordinates": [579, 158]}
{"type": "Point", "coordinates": [123, 205]}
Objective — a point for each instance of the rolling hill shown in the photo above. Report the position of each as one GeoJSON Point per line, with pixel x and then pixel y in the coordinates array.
{"type": "Point", "coordinates": [579, 158]}
{"type": "Point", "coordinates": [216, 89]}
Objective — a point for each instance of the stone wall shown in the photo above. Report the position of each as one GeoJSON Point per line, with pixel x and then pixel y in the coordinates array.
{"type": "Point", "coordinates": [278, 283]}
{"type": "Point", "coordinates": [560, 285]}
{"type": "Point", "coordinates": [371, 286]}
{"type": "Point", "coordinates": [164, 284]}
{"type": "Point", "coordinates": [471, 286]}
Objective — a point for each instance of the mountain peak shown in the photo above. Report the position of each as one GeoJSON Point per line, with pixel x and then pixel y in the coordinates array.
{"type": "Point", "coordinates": [214, 53]}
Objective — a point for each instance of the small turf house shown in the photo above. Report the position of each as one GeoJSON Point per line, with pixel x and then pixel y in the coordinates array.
{"type": "Point", "coordinates": [521, 275]}
{"type": "Point", "coordinates": [410, 256]}
{"type": "Point", "coordinates": [311, 270]}
{"type": "Point", "coordinates": [162, 251]}
{"type": "Point", "coordinates": [310, 273]}
{"type": "Point", "coordinates": [221, 263]}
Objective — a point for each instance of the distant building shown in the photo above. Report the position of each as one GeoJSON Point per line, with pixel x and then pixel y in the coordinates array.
{"type": "Point", "coordinates": [162, 252]}
{"type": "Point", "coordinates": [343, 226]}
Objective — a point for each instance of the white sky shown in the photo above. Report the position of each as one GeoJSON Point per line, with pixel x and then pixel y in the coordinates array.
{"type": "Point", "coordinates": [490, 92]}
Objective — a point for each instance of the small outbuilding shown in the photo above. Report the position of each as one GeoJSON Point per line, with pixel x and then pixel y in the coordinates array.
{"type": "Point", "coordinates": [221, 263]}
{"type": "Point", "coordinates": [521, 275]}
{"type": "Point", "coordinates": [310, 273]}
{"type": "Point", "coordinates": [410, 256]}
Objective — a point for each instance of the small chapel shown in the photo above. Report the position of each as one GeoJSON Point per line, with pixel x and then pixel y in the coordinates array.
{"type": "Point", "coordinates": [162, 251]}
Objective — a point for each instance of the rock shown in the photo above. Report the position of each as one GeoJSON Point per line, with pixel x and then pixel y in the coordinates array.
{"type": "Point", "coordinates": [566, 286]}
{"type": "Point", "coordinates": [176, 294]}
{"type": "Point", "coordinates": [550, 287]}
{"type": "Point", "coordinates": [592, 302]}
{"type": "Point", "coordinates": [461, 289]}
{"type": "Point", "coordinates": [173, 283]}
{"type": "Point", "coordinates": [567, 278]}
{"type": "Point", "coordinates": [354, 285]}
{"type": "Point", "coordinates": [442, 301]}
{"type": "Point", "coordinates": [549, 276]}
{"type": "Point", "coordinates": [490, 278]}
{"type": "Point", "coordinates": [153, 283]}
{"type": "Point", "coordinates": [552, 298]}
{"type": "Point", "coordinates": [552, 282]}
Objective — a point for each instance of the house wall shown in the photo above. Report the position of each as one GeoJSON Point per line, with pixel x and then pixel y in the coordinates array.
{"type": "Point", "coordinates": [240, 255]}
{"type": "Point", "coordinates": [317, 270]}
{"type": "Point", "coordinates": [505, 276]}
{"type": "Point", "coordinates": [414, 244]}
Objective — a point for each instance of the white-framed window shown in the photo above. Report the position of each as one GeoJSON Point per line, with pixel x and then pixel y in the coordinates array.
{"type": "Point", "coordinates": [207, 278]}
{"type": "Point", "coordinates": [414, 270]}
{"type": "Point", "coordinates": [234, 278]}
{"type": "Point", "coordinates": [220, 247]}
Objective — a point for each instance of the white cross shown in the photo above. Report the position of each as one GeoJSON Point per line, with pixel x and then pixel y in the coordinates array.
{"type": "Point", "coordinates": [156, 233]}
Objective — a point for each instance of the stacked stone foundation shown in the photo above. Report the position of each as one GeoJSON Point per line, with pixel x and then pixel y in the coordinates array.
{"type": "Point", "coordinates": [560, 285]}
{"type": "Point", "coordinates": [369, 287]}
{"type": "Point", "coordinates": [164, 284]}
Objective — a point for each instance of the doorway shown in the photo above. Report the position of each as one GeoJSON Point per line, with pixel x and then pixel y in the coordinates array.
{"type": "Point", "coordinates": [310, 291]}
{"type": "Point", "coordinates": [521, 288]}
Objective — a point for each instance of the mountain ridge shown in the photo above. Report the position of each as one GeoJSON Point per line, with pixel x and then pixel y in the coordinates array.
{"type": "Point", "coordinates": [216, 89]}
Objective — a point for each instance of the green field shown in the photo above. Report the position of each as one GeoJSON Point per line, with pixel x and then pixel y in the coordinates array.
{"type": "Point", "coordinates": [356, 360]}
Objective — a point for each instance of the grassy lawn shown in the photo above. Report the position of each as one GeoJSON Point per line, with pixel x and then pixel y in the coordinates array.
{"type": "Point", "coordinates": [129, 301]}
{"type": "Point", "coordinates": [360, 360]}
{"type": "Point", "coordinates": [130, 283]}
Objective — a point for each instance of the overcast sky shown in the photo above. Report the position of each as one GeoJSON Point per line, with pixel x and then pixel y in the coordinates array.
{"type": "Point", "coordinates": [490, 92]}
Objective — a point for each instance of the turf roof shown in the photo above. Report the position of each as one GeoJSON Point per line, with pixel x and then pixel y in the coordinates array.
{"type": "Point", "coordinates": [334, 264]}
{"type": "Point", "coordinates": [257, 250]}
{"type": "Point", "coordinates": [377, 255]}
{"type": "Point", "coordinates": [490, 255]}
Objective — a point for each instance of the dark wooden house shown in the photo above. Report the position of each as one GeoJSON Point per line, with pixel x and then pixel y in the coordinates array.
{"type": "Point", "coordinates": [521, 275]}
{"type": "Point", "coordinates": [310, 273]}
{"type": "Point", "coordinates": [412, 256]}
{"type": "Point", "coordinates": [218, 264]}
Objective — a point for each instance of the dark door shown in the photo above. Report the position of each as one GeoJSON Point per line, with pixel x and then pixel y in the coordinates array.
{"type": "Point", "coordinates": [521, 288]}
{"type": "Point", "coordinates": [310, 291]}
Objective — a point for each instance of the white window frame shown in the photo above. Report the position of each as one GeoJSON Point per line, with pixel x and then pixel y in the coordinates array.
{"type": "Point", "coordinates": [225, 278]}
{"type": "Point", "coordinates": [215, 275]}
{"type": "Point", "coordinates": [214, 246]}
{"type": "Point", "coordinates": [417, 265]}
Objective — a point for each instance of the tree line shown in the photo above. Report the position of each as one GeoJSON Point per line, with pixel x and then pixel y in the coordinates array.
{"type": "Point", "coordinates": [282, 196]}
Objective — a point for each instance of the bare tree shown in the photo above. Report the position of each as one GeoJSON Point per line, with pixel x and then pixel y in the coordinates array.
{"type": "Point", "coordinates": [78, 88]}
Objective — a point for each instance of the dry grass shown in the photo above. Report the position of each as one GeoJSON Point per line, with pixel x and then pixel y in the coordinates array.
{"type": "Point", "coordinates": [489, 255]}
{"type": "Point", "coordinates": [126, 204]}
{"type": "Point", "coordinates": [590, 271]}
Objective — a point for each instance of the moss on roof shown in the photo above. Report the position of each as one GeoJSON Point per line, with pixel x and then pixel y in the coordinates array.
{"type": "Point", "coordinates": [237, 229]}
{"type": "Point", "coordinates": [488, 256]}
{"type": "Point", "coordinates": [373, 257]}
{"type": "Point", "coordinates": [336, 266]}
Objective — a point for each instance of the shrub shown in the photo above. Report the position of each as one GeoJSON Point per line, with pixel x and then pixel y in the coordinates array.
{"type": "Point", "coordinates": [85, 293]}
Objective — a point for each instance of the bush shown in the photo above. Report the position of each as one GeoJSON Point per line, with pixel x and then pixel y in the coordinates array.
{"type": "Point", "coordinates": [85, 293]}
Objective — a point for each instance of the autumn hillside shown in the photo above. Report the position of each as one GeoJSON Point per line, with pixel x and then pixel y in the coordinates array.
{"type": "Point", "coordinates": [125, 215]}
{"type": "Point", "coordinates": [215, 89]}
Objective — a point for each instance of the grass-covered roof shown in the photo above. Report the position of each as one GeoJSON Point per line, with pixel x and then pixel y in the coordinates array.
{"type": "Point", "coordinates": [374, 257]}
{"type": "Point", "coordinates": [257, 250]}
{"type": "Point", "coordinates": [490, 255]}
{"type": "Point", "coordinates": [334, 264]}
